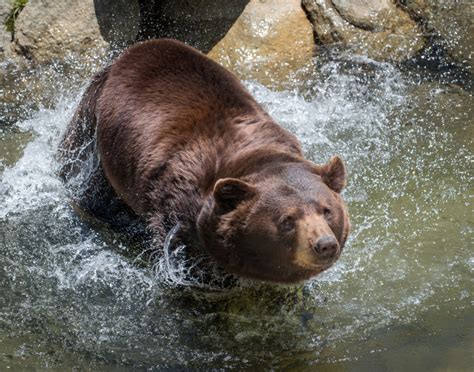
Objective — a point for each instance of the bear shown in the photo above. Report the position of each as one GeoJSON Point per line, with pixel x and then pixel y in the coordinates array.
{"type": "Point", "coordinates": [176, 140]}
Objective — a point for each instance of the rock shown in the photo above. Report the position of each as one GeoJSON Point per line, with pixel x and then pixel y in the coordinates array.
{"type": "Point", "coordinates": [451, 22]}
{"type": "Point", "coordinates": [50, 30]}
{"type": "Point", "coordinates": [377, 28]}
{"type": "Point", "coordinates": [364, 14]}
{"type": "Point", "coordinates": [5, 36]}
{"type": "Point", "coordinates": [417, 8]}
{"type": "Point", "coordinates": [119, 21]}
{"type": "Point", "coordinates": [270, 41]}
{"type": "Point", "coordinates": [5, 6]}
{"type": "Point", "coordinates": [57, 46]}
{"type": "Point", "coordinates": [199, 23]}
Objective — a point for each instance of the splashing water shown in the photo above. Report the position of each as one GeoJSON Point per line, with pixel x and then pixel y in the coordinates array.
{"type": "Point", "coordinates": [172, 266]}
{"type": "Point", "coordinates": [72, 295]}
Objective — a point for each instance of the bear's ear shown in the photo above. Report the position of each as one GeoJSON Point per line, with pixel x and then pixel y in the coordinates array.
{"type": "Point", "coordinates": [333, 174]}
{"type": "Point", "coordinates": [229, 192]}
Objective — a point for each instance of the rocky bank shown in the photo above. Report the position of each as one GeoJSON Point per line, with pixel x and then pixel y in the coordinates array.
{"type": "Point", "coordinates": [266, 40]}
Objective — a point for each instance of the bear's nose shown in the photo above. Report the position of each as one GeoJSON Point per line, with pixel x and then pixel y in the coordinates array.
{"type": "Point", "coordinates": [326, 246]}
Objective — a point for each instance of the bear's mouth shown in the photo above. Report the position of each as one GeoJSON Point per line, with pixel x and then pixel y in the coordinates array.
{"type": "Point", "coordinates": [311, 265]}
{"type": "Point", "coordinates": [307, 259]}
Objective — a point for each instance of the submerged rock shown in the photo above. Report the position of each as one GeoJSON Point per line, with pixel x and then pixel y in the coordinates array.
{"type": "Point", "coordinates": [376, 28]}
{"type": "Point", "coordinates": [269, 41]}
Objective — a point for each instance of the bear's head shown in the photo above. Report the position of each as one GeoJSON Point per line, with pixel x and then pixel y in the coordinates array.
{"type": "Point", "coordinates": [285, 225]}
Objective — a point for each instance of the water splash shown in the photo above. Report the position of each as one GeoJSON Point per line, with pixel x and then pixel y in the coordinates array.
{"type": "Point", "coordinates": [173, 267]}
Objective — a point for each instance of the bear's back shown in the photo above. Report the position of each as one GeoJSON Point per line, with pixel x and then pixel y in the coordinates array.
{"type": "Point", "coordinates": [165, 73]}
{"type": "Point", "coordinates": [166, 110]}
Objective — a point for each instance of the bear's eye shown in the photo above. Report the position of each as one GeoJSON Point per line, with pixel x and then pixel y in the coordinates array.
{"type": "Point", "coordinates": [327, 213]}
{"type": "Point", "coordinates": [287, 224]}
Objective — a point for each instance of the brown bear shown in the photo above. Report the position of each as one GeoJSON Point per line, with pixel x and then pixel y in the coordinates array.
{"type": "Point", "coordinates": [178, 139]}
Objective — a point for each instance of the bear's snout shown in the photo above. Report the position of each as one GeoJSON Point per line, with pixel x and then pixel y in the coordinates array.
{"type": "Point", "coordinates": [326, 247]}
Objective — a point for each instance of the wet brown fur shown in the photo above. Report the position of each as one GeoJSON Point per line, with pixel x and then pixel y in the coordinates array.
{"type": "Point", "coordinates": [169, 124]}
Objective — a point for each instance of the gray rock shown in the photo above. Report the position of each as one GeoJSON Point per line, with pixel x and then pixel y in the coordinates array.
{"type": "Point", "coordinates": [377, 28]}
{"type": "Point", "coordinates": [5, 6]}
{"type": "Point", "coordinates": [200, 23]}
{"type": "Point", "coordinates": [57, 45]}
{"type": "Point", "coordinates": [119, 21]}
{"type": "Point", "coordinates": [365, 14]}
{"type": "Point", "coordinates": [5, 36]}
{"type": "Point", "coordinates": [49, 30]}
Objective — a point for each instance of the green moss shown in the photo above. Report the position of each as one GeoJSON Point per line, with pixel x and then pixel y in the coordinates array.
{"type": "Point", "coordinates": [16, 8]}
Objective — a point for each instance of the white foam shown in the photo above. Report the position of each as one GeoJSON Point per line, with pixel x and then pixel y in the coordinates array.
{"type": "Point", "coordinates": [31, 183]}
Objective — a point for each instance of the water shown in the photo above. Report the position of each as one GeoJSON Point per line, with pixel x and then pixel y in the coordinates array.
{"type": "Point", "coordinates": [75, 295]}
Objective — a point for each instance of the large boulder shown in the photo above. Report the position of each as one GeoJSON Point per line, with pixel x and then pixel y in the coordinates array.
{"type": "Point", "coordinates": [119, 21]}
{"type": "Point", "coordinates": [49, 30]}
{"type": "Point", "coordinates": [57, 45]}
{"type": "Point", "coordinates": [200, 23]}
{"type": "Point", "coordinates": [269, 42]}
{"type": "Point", "coordinates": [377, 28]}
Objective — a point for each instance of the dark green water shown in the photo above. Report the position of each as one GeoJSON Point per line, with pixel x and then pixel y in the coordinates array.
{"type": "Point", "coordinates": [399, 298]}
